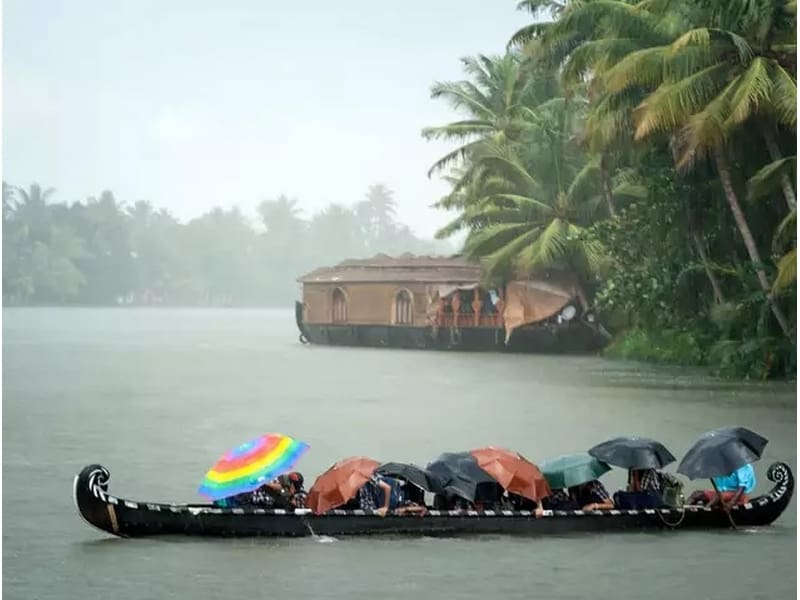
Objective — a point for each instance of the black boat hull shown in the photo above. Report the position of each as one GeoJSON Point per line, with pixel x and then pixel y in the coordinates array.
{"type": "Point", "coordinates": [125, 518]}
{"type": "Point", "coordinates": [572, 338]}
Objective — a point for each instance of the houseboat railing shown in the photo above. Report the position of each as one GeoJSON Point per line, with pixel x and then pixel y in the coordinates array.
{"type": "Point", "coordinates": [468, 320]}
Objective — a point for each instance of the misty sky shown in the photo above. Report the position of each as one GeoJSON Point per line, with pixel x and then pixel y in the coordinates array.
{"type": "Point", "coordinates": [191, 104]}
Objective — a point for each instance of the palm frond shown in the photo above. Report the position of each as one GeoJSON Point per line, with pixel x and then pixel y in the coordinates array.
{"type": "Point", "coordinates": [459, 154]}
{"type": "Point", "coordinates": [610, 119]}
{"type": "Point", "coordinates": [784, 96]}
{"type": "Point", "coordinates": [642, 68]}
{"type": "Point", "coordinates": [453, 227]}
{"type": "Point", "coordinates": [458, 130]}
{"type": "Point", "coordinates": [700, 37]}
{"type": "Point", "coordinates": [704, 37]}
{"type": "Point", "coordinates": [752, 91]}
{"type": "Point", "coordinates": [549, 246]}
{"type": "Point", "coordinates": [585, 181]}
{"type": "Point", "coordinates": [768, 178]}
{"type": "Point", "coordinates": [525, 34]}
{"type": "Point", "coordinates": [671, 105]}
{"type": "Point", "coordinates": [503, 158]}
{"type": "Point", "coordinates": [507, 255]}
{"type": "Point", "coordinates": [787, 271]}
{"type": "Point", "coordinates": [488, 239]}
{"type": "Point", "coordinates": [786, 226]}
{"type": "Point", "coordinates": [596, 56]}
{"type": "Point", "coordinates": [463, 94]}
{"type": "Point", "coordinates": [531, 207]}
{"type": "Point", "coordinates": [590, 250]}
{"type": "Point", "coordinates": [635, 191]}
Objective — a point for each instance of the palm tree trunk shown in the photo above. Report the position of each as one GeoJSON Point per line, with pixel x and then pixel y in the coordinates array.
{"type": "Point", "coordinates": [749, 242]}
{"type": "Point", "coordinates": [775, 154]}
{"type": "Point", "coordinates": [700, 247]}
{"type": "Point", "coordinates": [701, 251]}
{"type": "Point", "coordinates": [583, 300]}
{"type": "Point", "coordinates": [605, 177]}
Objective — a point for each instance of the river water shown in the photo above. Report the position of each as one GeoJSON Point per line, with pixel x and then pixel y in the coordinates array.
{"type": "Point", "coordinates": [157, 395]}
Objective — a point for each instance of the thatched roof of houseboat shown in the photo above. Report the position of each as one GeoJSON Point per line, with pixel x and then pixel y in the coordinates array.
{"type": "Point", "coordinates": [406, 268]}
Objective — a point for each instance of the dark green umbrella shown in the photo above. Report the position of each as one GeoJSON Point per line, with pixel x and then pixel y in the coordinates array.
{"type": "Point", "coordinates": [569, 470]}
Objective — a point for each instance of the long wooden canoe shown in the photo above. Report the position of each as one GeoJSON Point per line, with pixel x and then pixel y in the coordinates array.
{"type": "Point", "coordinates": [126, 518]}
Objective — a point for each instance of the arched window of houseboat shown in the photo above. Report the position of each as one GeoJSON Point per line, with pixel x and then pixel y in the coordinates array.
{"type": "Point", "coordinates": [403, 309]}
{"type": "Point", "coordinates": [339, 306]}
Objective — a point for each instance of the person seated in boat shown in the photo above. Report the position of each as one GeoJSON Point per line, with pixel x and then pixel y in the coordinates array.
{"type": "Point", "coordinates": [375, 491]}
{"type": "Point", "coordinates": [382, 494]}
{"type": "Point", "coordinates": [733, 489]}
{"type": "Point", "coordinates": [488, 496]}
{"type": "Point", "coordinates": [591, 495]}
{"type": "Point", "coordinates": [512, 501]}
{"type": "Point", "coordinates": [409, 507]}
{"type": "Point", "coordinates": [451, 502]}
{"type": "Point", "coordinates": [665, 489]}
{"type": "Point", "coordinates": [410, 499]}
{"type": "Point", "coordinates": [286, 491]}
{"type": "Point", "coordinates": [560, 499]}
{"type": "Point", "coordinates": [644, 480]}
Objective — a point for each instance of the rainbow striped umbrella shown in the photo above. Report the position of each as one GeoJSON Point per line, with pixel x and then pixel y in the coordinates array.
{"type": "Point", "coordinates": [252, 464]}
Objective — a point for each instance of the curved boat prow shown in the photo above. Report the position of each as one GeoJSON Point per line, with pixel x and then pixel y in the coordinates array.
{"type": "Point", "coordinates": [299, 310]}
{"type": "Point", "coordinates": [89, 493]}
{"type": "Point", "coordinates": [781, 493]}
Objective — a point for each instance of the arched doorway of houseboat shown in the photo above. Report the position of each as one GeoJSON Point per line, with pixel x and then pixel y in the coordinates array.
{"type": "Point", "coordinates": [338, 306]}
{"type": "Point", "coordinates": [403, 308]}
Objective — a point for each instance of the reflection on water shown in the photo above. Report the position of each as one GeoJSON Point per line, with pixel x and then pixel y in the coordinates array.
{"type": "Point", "coordinates": [157, 395]}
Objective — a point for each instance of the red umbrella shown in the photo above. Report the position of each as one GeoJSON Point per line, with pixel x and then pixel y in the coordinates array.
{"type": "Point", "coordinates": [513, 471]}
{"type": "Point", "coordinates": [340, 483]}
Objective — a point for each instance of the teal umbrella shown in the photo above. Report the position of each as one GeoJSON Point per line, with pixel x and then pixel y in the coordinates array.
{"type": "Point", "coordinates": [569, 470]}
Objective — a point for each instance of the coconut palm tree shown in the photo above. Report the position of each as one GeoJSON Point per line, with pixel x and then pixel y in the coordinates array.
{"type": "Point", "coordinates": [587, 38]}
{"type": "Point", "coordinates": [702, 84]}
{"type": "Point", "coordinates": [280, 216]}
{"type": "Point", "coordinates": [526, 205]}
{"type": "Point", "coordinates": [31, 208]}
{"type": "Point", "coordinates": [496, 100]}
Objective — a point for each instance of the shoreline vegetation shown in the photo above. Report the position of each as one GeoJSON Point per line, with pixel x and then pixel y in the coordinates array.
{"type": "Point", "coordinates": [650, 148]}
{"type": "Point", "coordinates": [102, 252]}
{"type": "Point", "coordinates": [647, 147]}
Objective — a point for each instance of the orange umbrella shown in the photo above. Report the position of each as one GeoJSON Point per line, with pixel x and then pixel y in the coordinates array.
{"type": "Point", "coordinates": [513, 471]}
{"type": "Point", "coordinates": [340, 483]}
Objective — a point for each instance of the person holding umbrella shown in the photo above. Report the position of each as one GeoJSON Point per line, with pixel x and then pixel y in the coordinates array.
{"type": "Point", "coordinates": [369, 495]}
{"type": "Point", "coordinates": [240, 475]}
{"type": "Point", "coordinates": [577, 473]}
{"type": "Point", "coordinates": [592, 495]}
{"type": "Point", "coordinates": [725, 456]}
{"type": "Point", "coordinates": [283, 492]}
{"type": "Point", "coordinates": [733, 489]}
{"type": "Point", "coordinates": [642, 457]}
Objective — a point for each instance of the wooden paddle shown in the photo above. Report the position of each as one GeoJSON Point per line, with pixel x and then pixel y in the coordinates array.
{"type": "Point", "coordinates": [724, 506]}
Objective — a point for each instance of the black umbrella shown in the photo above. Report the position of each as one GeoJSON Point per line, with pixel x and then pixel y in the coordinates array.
{"type": "Point", "coordinates": [633, 453]}
{"type": "Point", "coordinates": [720, 452]}
{"type": "Point", "coordinates": [458, 474]}
{"type": "Point", "coordinates": [412, 474]}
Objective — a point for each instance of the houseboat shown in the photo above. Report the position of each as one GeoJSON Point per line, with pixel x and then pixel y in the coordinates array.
{"type": "Point", "coordinates": [440, 303]}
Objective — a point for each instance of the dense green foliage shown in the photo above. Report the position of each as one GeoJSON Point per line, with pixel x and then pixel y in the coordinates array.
{"type": "Point", "coordinates": [103, 252]}
{"type": "Point", "coordinates": [650, 148]}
